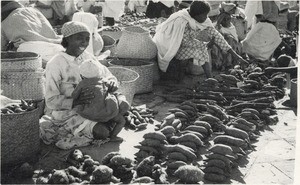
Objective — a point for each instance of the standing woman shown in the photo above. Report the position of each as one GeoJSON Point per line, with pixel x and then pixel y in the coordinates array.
{"type": "Point", "coordinates": [61, 124]}
{"type": "Point", "coordinates": [112, 10]}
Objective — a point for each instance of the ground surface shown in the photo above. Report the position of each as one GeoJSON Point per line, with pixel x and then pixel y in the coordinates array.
{"type": "Point", "coordinates": [272, 162]}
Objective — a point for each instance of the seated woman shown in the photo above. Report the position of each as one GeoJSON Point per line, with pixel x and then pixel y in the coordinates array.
{"type": "Point", "coordinates": [62, 124]}
{"type": "Point", "coordinates": [185, 35]}
{"type": "Point", "coordinates": [22, 24]}
{"type": "Point", "coordinates": [26, 29]}
{"type": "Point", "coordinates": [224, 25]}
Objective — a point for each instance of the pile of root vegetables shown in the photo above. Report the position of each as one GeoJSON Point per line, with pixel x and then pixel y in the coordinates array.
{"type": "Point", "coordinates": [202, 139]}
{"type": "Point", "coordinates": [215, 122]}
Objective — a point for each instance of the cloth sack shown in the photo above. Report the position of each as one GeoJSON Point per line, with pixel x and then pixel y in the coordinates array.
{"type": "Point", "coordinates": [45, 49]}
{"type": "Point", "coordinates": [104, 106]}
{"type": "Point", "coordinates": [261, 41]}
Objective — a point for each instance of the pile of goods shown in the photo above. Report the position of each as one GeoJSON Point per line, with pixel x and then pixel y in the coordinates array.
{"type": "Point", "coordinates": [215, 123]}
{"type": "Point", "coordinates": [137, 118]}
{"type": "Point", "coordinates": [114, 168]}
{"type": "Point", "coordinates": [15, 108]}
{"type": "Point", "coordinates": [135, 19]}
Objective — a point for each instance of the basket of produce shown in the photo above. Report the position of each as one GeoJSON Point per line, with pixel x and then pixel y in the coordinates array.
{"type": "Point", "coordinates": [127, 81]}
{"type": "Point", "coordinates": [19, 132]}
{"type": "Point", "coordinates": [109, 44]}
{"type": "Point", "coordinates": [20, 61]}
{"type": "Point", "coordinates": [23, 85]}
{"type": "Point", "coordinates": [143, 67]}
{"type": "Point", "coordinates": [136, 42]}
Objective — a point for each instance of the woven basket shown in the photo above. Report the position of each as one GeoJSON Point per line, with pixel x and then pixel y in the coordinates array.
{"type": "Point", "coordinates": [19, 137]}
{"type": "Point", "coordinates": [127, 79]}
{"type": "Point", "coordinates": [145, 69]}
{"type": "Point", "coordinates": [23, 85]}
{"type": "Point", "coordinates": [20, 61]}
{"type": "Point", "coordinates": [136, 42]}
{"type": "Point", "coordinates": [109, 44]}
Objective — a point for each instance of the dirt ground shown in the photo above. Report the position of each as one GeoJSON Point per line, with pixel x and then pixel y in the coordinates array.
{"type": "Point", "coordinates": [272, 161]}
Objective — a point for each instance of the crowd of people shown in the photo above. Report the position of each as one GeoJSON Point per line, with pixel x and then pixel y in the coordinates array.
{"type": "Point", "coordinates": [194, 32]}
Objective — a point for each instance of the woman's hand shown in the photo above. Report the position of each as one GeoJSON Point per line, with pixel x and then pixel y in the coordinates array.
{"type": "Point", "coordinates": [112, 86]}
{"type": "Point", "coordinates": [238, 58]}
{"type": "Point", "coordinates": [85, 97]}
{"type": "Point", "coordinates": [242, 61]}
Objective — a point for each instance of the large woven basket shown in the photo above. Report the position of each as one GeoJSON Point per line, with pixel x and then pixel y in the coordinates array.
{"type": "Point", "coordinates": [109, 44]}
{"type": "Point", "coordinates": [145, 69]}
{"type": "Point", "coordinates": [127, 79]}
{"type": "Point", "coordinates": [23, 85]}
{"type": "Point", "coordinates": [20, 61]}
{"type": "Point", "coordinates": [136, 42]}
{"type": "Point", "coordinates": [19, 137]}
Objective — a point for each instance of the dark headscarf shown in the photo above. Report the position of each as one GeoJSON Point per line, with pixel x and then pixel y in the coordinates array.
{"type": "Point", "coordinates": [7, 7]}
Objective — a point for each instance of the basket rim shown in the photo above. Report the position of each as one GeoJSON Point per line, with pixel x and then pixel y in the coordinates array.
{"type": "Point", "coordinates": [110, 45]}
{"type": "Point", "coordinates": [124, 69]}
{"type": "Point", "coordinates": [18, 58]}
{"type": "Point", "coordinates": [145, 63]}
{"type": "Point", "coordinates": [138, 33]}
{"type": "Point", "coordinates": [19, 114]}
{"type": "Point", "coordinates": [38, 72]}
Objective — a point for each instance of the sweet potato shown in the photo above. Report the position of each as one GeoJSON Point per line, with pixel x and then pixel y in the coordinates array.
{"type": "Point", "coordinates": [189, 174]}
{"type": "Point", "coordinates": [151, 142]}
{"type": "Point", "coordinates": [221, 149]}
{"type": "Point", "coordinates": [230, 140]}
{"type": "Point", "coordinates": [214, 177]}
{"type": "Point", "coordinates": [155, 135]}
{"type": "Point", "coordinates": [202, 130]}
{"type": "Point", "coordinates": [187, 151]}
{"type": "Point", "coordinates": [177, 156]}
{"type": "Point", "coordinates": [189, 137]}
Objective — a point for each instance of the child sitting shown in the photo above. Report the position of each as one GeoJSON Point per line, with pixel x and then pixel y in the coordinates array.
{"type": "Point", "coordinates": [108, 105]}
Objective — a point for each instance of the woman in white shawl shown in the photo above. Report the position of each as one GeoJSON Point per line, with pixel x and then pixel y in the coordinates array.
{"type": "Point", "coordinates": [185, 35]}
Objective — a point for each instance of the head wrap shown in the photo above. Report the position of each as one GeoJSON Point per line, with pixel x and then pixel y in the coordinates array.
{"type": "Point", "coordinates": [227, 7]}
{"type": "Point", "coordinates": [73, 27]}
{"type": "Point", "coordinates": [89, 69]}
{"type": "Point", "coordinates": [8, 6]}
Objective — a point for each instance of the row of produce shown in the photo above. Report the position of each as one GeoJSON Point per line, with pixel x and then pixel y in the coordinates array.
{"type": "Point", "coordinates": [200, 140]}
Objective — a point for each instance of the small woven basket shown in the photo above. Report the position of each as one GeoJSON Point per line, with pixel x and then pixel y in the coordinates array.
{"type": "Point", "coordinates": [136, 42]}
{"type": "Point", "coordinates": [19, 137]}
{"type": "Point", "coordinates": [127, 79]}
{"type": "Point", "coordinates": [145, 69]}
{"type": "Point", "coordinates": [23, 85]}
{"type": "Point", "coordinates": [20, 61]}
{"type": "Point", "coordinates": [109, 44]}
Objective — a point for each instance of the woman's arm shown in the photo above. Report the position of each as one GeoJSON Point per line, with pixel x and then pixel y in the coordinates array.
{"type": "Point", "coordinates": [54, 97]}
{"type": "Point", "coordinates": [225, 47]}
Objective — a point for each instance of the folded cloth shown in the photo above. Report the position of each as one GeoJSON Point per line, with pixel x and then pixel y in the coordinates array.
{"type": "Point", "coordinates": [261, 41]}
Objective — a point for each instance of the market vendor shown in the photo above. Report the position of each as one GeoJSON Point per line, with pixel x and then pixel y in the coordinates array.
{"type": "Point", "coordinates": [184, 37]}
{"type": "Point", "coordinates": [22, 24]}
{"type": "Point", "coordinates": [160, 8]}
{"type": "Point", "coordinates": [224, 24]}
{"type": "Point", "coordinates": [61, 123]}
{"type": "Point", "coordinates": [263, 38]}
{"type": "Point", "coordinates": [112, 10]}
